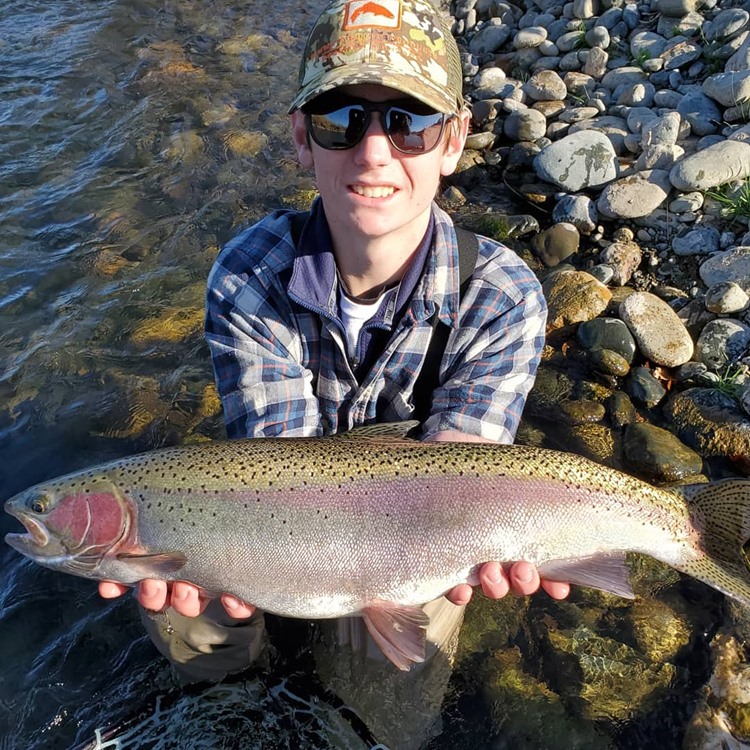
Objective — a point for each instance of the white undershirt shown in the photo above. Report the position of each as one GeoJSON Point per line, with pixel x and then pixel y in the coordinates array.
{"type": "Point", "coordinates": [354, 315]}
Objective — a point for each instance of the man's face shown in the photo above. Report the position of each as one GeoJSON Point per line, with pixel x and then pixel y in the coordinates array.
{"type": "Point", "coordinates": [372, 190]}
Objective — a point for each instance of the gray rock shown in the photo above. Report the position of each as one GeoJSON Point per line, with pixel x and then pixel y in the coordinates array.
{"type": "Point", "coordinates": [480, 141]}
{"type": "Point", "coordinates": [636, 195]}
{"type": "Point", "coordinates": [701, 112]}
{"type": "Point", "coordinates": [721, 342]}
{"type": "Point", "coordinates": [687, 202]}
{"type": "Point", "coordinates": [658, 157]}
{"type": "Point", "coordinates": [726, 298]}
{"type": "Point", "coordinates": [700, 241]}
{"type": "Point", "coordinates": [602, 272]}
{"type": "Point", "coordinates": [598, 37]}
{"type": "Point", "coordinates": [529, 38]}
{"type": "Point", "coordinates": [740, 60]}
{"type": "Point", "coordinates": [579, 161]}
{"type": "Point", "coordinates": [546, 85]}
{"type": "Point", "coordinates": [585, 8]}
{"type": "Point", "coordinates": [679, 53]}
{"type": "Point", "coordinates": [623, 77]}
{"type": "Point", "coordinates": [579, 84]}
{"type": "Point", "coordinates": [668, 99]}
{"type": "Point", "coordinates": [596, 63]}
{"type": "Point", "coordinates": [638, 117]}
{"type": "Point", "coordinates": [578, 210]}
{"type": "Point", "coordinates": [623, 258]}
{"type": "Point", "coordinates": [525, 125]}
{"type": "Point", "coordinates": [489, 39]}
{"type": "Point", "coordinates": [677, 8]}
{"type": "Point", "coordinates": [577, 114]}
{"type": "Point", "coordinates": [637, 95]}
{"type": "Point", "coordinates": [659, 333]}
{"type": "Point", "coordinates": [615, 128]}
{"type": "Point", "coordinates": [644, 43]}
{"type": "Point", "coordinates": [725, 24]}
{"type": "Point", "coordinates": [661, 131]}
{"type": "Point", "coordinates": [729, 89]}
{"type": "Point", "coordinates": [610, 18]}
{"type": "Point", "coordinates": [716, 165]}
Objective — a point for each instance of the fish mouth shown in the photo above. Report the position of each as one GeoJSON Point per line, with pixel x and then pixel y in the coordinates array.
{"type": "Point", "coordinates": [34, 540]}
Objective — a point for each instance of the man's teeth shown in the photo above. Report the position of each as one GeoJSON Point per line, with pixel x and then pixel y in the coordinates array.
{"type": "Point", "coordinates": [373, 192]}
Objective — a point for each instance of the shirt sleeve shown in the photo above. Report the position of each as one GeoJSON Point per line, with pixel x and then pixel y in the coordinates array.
{"type": "Point", "coordinates": [257, 355]}
{"type": "Point", "coordinates": [492, 357]}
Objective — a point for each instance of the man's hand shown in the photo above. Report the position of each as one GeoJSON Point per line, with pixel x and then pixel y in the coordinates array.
{"type": "Point", "coordinates": [183, 597]}
{"type": "Point", "coordinates": [521, 578]}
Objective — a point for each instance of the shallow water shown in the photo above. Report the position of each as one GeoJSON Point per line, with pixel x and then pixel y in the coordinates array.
{"type": "Point", "coordinates": [136, 138]}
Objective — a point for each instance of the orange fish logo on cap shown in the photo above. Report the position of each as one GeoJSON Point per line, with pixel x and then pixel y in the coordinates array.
{"type": "Point", "coordinates": [369, 14]}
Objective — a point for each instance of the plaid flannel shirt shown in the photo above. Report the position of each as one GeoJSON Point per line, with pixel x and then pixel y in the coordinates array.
{"type": "Point", "coordinates": [281, 364]}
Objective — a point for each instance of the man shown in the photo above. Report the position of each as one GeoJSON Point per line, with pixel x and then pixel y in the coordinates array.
{"type": "Point", "coordinates": [319, 324]}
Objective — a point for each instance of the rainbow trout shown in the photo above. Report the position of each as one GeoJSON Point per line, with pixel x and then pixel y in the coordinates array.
{"type": "Point", "coordinates": [374, 526]}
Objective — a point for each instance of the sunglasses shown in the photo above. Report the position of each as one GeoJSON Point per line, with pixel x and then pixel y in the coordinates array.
{"type": "Point", "coordinates": [411, 127]}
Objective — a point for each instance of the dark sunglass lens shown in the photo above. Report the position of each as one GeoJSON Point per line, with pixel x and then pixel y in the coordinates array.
{"type": "Point", "coordinates": [342, 128]}
{"type": "Point", "coordinates": [413, 133]}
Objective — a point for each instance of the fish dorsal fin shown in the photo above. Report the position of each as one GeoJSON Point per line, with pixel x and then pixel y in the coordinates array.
{"type": "Point", "coordinates": [399, 631]}
{"type": "Point", "coordinates": [153, 565]}
{"type": "Point", "coordinates": [606, 572]}
{"type": "Point", "coordinates": [386, 430]}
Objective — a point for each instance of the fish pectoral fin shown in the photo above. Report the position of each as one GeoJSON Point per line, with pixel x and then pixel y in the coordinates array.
{"type": "Point", "coordinates": [606, 572]}
{"type": "Point", "coordinates": [153, 565]}
{"type": "Point", "coordinates": [399, 631]}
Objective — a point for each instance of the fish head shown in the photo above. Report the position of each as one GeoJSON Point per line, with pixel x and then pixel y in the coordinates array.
{"type": "Point", "coordinates": [70, 523]}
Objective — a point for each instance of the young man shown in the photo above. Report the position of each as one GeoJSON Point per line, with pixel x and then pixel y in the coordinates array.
{"type": "Point", "coordinates": [322, 323]}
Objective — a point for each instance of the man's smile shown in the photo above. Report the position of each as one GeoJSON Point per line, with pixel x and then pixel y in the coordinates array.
{"type": "Point", "coordinates": [373, 191]}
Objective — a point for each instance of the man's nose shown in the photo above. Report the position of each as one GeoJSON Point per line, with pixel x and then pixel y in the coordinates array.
{"type": "Point", "coordinates": [375, 147]}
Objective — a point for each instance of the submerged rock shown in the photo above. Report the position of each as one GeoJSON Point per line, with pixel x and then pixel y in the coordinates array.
{"type": "Point", "coordinates": [658, 456]}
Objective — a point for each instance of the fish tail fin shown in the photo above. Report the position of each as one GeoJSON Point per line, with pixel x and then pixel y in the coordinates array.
{"type": "Point", "coordinates": [721, 511]}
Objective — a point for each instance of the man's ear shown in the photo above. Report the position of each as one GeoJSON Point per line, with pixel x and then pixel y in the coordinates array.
{"type": "Point", "coordinates": [302, 139]}
{"type": "Point", "coordinates": [458, 129]}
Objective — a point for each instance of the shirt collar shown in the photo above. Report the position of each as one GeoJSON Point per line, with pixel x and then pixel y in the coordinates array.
{"type": "Point", "coordinates": [314, 284]}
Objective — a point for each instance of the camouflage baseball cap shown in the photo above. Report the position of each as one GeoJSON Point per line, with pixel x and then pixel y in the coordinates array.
{"type": "Point", "coordinates": [403, 44]}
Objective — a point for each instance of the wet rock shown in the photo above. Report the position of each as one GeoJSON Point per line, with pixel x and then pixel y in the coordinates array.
{"type": "Point", "coordinates": [244, 143]}
{"type": "Point", "coordinates": [731, 265]}
{"type": "Point", "coordinates": [582, 411]}
{"type": "Point", "coordinates": [620, 409]}
{"type": "Point", "coordinates": [550, 388]}
{"type": "Point", "coordinates": [722, 342]}
{"type": "Point", "coordinates": [712, 166]}
{"type": "Point", "coordinates": [726, 298]}
{"type": "Point", "coordinates": [623, 258]}
{"type": "Point", "coordinates": [658, 456]}
{"type": "Point", "coordinates": [608, 362]}
{"type": "Point", "coordinates": [710, 422]}
{"type": "Point", "coordinates": [557, 243]}
{"type": "Point", "coordinates": [644, 388]}
{"type": "Point", "coordinates": [574, 297]}
{"type": "Point", "coordinates": [606, 678]}
{"type": "Point", "coordinates": [659, 333]}
{"type": "Point", "coordinates": [661, 630]}
{"type": "Point", "coordinates": [722, 718]}
{"type": "Point", "coordinates": [607, 333]}
{"type": "Point", "coordinates": [636, 195]}
{"type": "Point", "coordinates": [592, 440]}
{"type": "Point", "coordinates": [173, 325]}
{"type": "Point", "coordinates": [578, 161]}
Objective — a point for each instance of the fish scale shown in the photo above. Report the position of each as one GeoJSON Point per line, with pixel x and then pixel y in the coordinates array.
{"type": "Point", "coordinates": [374, 526]}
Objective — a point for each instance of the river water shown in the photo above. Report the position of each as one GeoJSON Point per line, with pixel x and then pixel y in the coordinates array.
{"type": "Point", "coordinates": [135, 138]}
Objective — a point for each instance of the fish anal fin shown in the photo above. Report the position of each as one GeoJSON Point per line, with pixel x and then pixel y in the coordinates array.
{"type": "Point", "coordinates": [155, 565]}
{"type": "Point", "coordinates": [399, 631]}
{"type": "Point", "coordinates": [606, 572]}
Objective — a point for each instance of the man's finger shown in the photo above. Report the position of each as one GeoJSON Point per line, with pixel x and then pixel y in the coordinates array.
{"type": "Point", "coordinates": [524, 578]}
{"type": "Point", "coordinates": [494, 580]}
{"type": "Point", "coordinates": [187, 600]}
{"type": "Point", "coordinates": [111, 589]}
{"type": "Point", "coordinates": [152, 594]}
{"type": "Point", "coordinates": [236, 607]}
{"type": "Point", "coordinates": [460, 594]}
{"type": "Point", "coordinates": [556, 589]}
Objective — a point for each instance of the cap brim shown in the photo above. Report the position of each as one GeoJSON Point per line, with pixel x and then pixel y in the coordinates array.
{"type": "Point", "coordinates": [381, 74]}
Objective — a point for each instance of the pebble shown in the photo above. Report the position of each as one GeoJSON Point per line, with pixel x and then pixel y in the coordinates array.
{"type": "Point", "coordinates": [659, 333]}
{"type": "Point", "coordinates": [624, 258]}
{"type": "Point", "coordinates": [546, 85]}
{"type": "Point", "coordinates": [607, 333]}
{"type": "Point", "coordinates": [574, 297]}
{"type": "Point", "coordinates": [721, 342]}
{"type": "Point", "coordinates": [644, 388]}
{"type": "Point", "coordinates": [525, 125]}
{"type": "Point", "coordinates": [636, 195]}
{"type": "Point", "coordinates": [726, 298]}
{"type": "Point", "coordinates": [489, 39]}
{"type": "Point", "coordinates": [660, 456]}
{"type": "Point", "coordinates": [712, 166]}
{"type": "Point", "coordinates": [700, 241]}
{"type": "Point", "coordinates": [728, 265]}
{"type": "Point", "coordinates": [730, 88]}
{"type": "Point", "coordinates": [579, 161]}
{"type": "Point", "coordinates": [557, 243]}
{"type": "Point", "coordinates": [578, 210]}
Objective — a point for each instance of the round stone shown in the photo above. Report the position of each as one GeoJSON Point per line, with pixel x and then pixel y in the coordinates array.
{"type": "Point", "coordinates": [726, 298]}
{"type": "Point", "coordinates": [713, 166]}
{"type": "Point", "coordinates": [525, 125]}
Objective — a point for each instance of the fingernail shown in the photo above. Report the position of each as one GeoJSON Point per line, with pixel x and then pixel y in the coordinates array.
{"type": "Point", "coordinates": [524, 574]}
{"type": "Point", "coordinates": [181, 594]}
{"type": "Point", "coordinates": [149, 588]}
{"type": "Point", "coordinates": [231, 603]}
{"type": "Point", "coordinates": [495, 576]}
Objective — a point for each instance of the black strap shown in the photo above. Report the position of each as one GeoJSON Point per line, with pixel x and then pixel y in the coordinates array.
{"type": "Point", "coordinates": [429, 376]}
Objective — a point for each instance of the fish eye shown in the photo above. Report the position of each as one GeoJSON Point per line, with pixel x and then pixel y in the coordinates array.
{"type": "Point", "coordinates": [40, 504]}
